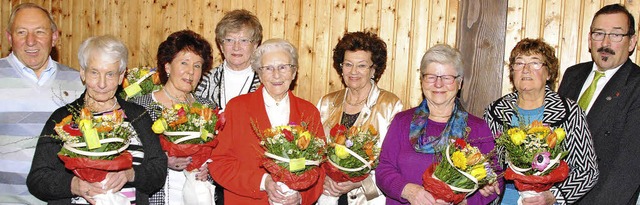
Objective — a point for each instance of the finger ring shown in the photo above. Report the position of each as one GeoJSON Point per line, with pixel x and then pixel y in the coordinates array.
{"type": "Point", "coordinates": [86, 193]}
{"type": "Point", "coordinates": [177, 166]}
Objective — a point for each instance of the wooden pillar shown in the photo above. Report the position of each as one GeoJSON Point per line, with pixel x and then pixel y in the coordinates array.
{"type": "Point", "coordinates": [481, 40]}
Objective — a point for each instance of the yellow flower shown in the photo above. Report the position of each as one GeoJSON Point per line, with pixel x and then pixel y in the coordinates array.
{"type": "Point", "coordinates": [341, 151]}
{"type": "Point", "coordinates": [143, 71]}
{"type": "Point", "coordinates": [459, 160]}
{"type": "Point", "coordinates": [479, 172]}
{"type": "Point", "coordinates": [159, 126]}
{"type": "Point", "coordinates": [560, 134]}
{"type": "Point", "coordinates": [306, 135]}
{"type": "Point", "coordinates": [516, 135]}
{"type": "Point", "coordinates": [177, 106]}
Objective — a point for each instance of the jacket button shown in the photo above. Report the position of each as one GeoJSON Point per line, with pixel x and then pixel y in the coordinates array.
{"type": "Point", "coordinates": [607, 133]}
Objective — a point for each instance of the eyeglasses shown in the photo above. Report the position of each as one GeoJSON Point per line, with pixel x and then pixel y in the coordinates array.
{"type": "Point", "coordinates": [282, 68]}
{"type": "Point", "coordinates": [359, 66]}
{"type": "Point", "coordinates": [615, 37]}
{"type": "Point", "coordinates": [446, 79]}
{"type": "Point", "coordinates": [230, 41]}
{"type": "Point", "coordinates": [535, 65]}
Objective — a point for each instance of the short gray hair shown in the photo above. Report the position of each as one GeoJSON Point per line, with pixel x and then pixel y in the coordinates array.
{"type": "Point", "coordinates": [15, 10]}
{"type": "Point", "coordinates": [274, 44]}
{"type": "Point", "coordinates": [107, 47]}
{"type": "Point", "coordinates": [443, 54]}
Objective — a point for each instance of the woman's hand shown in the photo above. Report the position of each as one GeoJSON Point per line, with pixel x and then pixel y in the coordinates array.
{"type": "Point", "coordinates": [116, 180]}
{"type": "Point", "coordinates": [333, 188]}
{"type": "Point", "coordinates": [178, 163]}
{"type": "Point", "coordinates": [545, 198]}
{"type": "Point", "coordinates": [415, 194]}
{"type": "Point", "coordinates": [276, 195]}
{"type": "Point", "coordinates": [203, 173]}
{"type": "Point", "coordinates": [490, 189]}
{"type": "Point", "coordinates": [85, 189]}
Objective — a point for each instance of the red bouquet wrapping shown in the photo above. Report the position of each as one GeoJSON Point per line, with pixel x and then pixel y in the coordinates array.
{"type": "Point", "coordinates": [538, 183]}
{"type": "Point", "coordinates": [340, 176]}
{"type": "Point", "coordinates": [293, 181]}
{"type": "Point", "coordinates": [95, 170]}
{"type": "Point", "coordinates": [199, 153]}
{"type": "Point", "coordinates": [439, 189]}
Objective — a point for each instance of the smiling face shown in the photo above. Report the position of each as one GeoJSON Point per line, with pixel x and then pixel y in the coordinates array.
{"type": "Point", "coordinates": [236, 53]}
{"type": "Point", "coordinates": [31, 38]}
{"type": "Point", "coordinates": [184, 71]}
{"type": "Point", "coordinates": [357, 69]}
{"type": "Point", "coordinates": [530, 79]}
{"type": "Point", "coordinates": [276, 82]}
{"type": "Point", "coordinates": [438, 93]}
{"type": "Point", "coordinates": [101, 78]}
{"type": "Point", "coordinates": [606, 53]}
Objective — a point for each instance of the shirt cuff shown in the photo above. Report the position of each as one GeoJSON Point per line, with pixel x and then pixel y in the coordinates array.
{"type": "Point", "coordinates": [263, 181]}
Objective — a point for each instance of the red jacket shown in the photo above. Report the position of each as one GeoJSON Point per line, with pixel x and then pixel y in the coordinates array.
{"type": "Point", "coordinates": [237, 159]}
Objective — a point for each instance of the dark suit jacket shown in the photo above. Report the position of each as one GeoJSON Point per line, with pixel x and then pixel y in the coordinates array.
{"type": "Point", "coordinates": [614, 122]}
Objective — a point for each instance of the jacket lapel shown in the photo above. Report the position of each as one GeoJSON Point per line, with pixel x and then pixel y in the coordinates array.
{"type": "Point", "coordinates": [611, 94]}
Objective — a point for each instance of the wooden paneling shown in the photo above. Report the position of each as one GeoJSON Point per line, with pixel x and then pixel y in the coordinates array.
{"type": "Point", "coordinates": [409, 27]}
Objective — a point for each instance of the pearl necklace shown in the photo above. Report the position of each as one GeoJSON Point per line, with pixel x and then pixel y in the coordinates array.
{"type": "Point", "coordinates": [175, 100]}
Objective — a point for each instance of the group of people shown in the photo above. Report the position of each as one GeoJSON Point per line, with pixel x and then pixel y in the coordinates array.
{"type": "Point", "coordinates": [597, 103]}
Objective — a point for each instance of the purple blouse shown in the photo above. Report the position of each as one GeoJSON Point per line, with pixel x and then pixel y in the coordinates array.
{"type": "Point", "coordinates": [400, 164]}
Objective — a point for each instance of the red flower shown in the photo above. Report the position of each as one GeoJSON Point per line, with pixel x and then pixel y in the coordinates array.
{"type": "Point", "coordinates": [460, 143]}
{"type": "Point", "coordinates": [288, 135]}
{"type": "Point", "coordinates": [338, 129]}
{"type": "Point", "coordinates": [72, 129]}
{"type": "Point", "coordinates": [221, 120]}
{"type": "Point", "coordinates": [181, 112]}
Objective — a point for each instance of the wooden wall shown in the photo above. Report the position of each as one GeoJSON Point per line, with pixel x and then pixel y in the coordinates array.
{"type": "Point", "coordinates": [408, 26]}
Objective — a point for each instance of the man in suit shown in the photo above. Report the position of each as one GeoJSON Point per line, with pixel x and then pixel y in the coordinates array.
{"type": "Point", "coordinates": [612, 104]}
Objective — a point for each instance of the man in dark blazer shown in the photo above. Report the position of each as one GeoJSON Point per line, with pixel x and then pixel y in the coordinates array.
{"type": "Point", "coordinates": [613, 111]}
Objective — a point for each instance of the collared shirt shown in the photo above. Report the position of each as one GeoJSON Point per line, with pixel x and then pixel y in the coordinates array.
{"type": "Point", "coordinates": [278, 112]}
{"type": "Point", "coordinates": [29, 73]}
{"type": "Point", "coordinates": [601, 83]}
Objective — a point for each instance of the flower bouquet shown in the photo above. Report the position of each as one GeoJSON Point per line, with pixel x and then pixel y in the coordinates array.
{"type": "Point", "coordinates": [94, 146]}
{"type": "Point", "coordinates": [534, 154]}
{"type": "Point", "coordinates": [140, 81]}
{"type": "Point", "coordinates": [293, 156]}
{"type": "Point", "coordinates": [351, 155]}
{"type": "Point", "coordinates": [189, 131]}
{"type": "Point", "coordinates": [460, 172]}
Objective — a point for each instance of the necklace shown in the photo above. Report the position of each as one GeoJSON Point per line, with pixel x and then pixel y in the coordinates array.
{"type": "Point", "coordinates": [115, 103]}
{"type": "Point", "coordinates": [355, 104]}
{"type": "Point", "coordinates": [239, 93]}
{"type": "Point", "coordinates": [175, 100]}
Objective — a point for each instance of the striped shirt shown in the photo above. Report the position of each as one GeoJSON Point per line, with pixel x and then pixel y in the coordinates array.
{"type": "Point", "coordinates": [26, 102]}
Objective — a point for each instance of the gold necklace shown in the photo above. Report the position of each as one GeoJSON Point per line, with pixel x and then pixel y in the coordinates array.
{"type": "Point", "coordinates": [355, 104]}
{"type": "Point", "coordinates": [174, 99]}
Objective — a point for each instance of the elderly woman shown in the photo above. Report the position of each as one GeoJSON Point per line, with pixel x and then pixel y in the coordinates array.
{"type": "Point", "coordinates": [237, 159]}
{"type": "Point", "coordinates": [533, 72]}
{"type": "Point", "coordinates": [416, 135]}
{"type": "Point", "coordinates": [360, 58]}
{"type": "Point", "coordinates": [182, 58]}
{"type": "Point", "coordinates": [103, 61]}
{"type": "Point", "coordinates": [237, 35]}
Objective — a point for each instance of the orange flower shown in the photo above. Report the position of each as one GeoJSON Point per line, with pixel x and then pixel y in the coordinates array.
{"type": "Point", "coordinates": [125, 83]}
{"type": "Point", "coordinates": [103, 129]}
{"type": "Point", "coordinates": [156, 78]}
{"type": "Point", "coordinates": [65, 120]}
{"type": "Point", "coordinates": [181, 120]}
{"type": "Point", "coordinates": [195, 110]}
{"type": "Point", "coordinates": [552, 138]}
{"type": "Point", "coordinates": [353, 131]}
{"type": "Point", "coordinates": [474, 158]}
{"type": "Point", "coordinates": [269, 133]}
{"type": "Point", "coordinates": [86, 114]}
{"type": "Point", "coordinates": [340, 139]}
{"type": "Point", "coordinates": [207, 113]}
{"type": "Point", "coordinates": [372, 130]}
{"type": "Point", "coordinates": [368, 149]}
{"type": "Point", "coordinates": [303, 143]}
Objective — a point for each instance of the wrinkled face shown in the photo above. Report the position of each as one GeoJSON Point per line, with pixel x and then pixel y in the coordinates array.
{"type": "Point", "coordinates": [185, 71]}
{"type": "Point", "coordinates": [101, 78]}
{"type": "Point", "coordinates": [237, 48]}
{"type": "Point", "coordinates": [278, 80]}
{"type": "Point", "coordinates": [608, 54]}
{"type": "Point", "coordinates": [439, 92]}
{"type": "Point", "coordinates": [530, 78]}
{"type": "Point", "coordinates": [357, 69]}
{"type": "Point", "coordinates": [31, 37]}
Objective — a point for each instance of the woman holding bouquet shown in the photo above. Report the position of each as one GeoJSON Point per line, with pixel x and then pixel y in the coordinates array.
{"type": "Point", "coordinates": [103, 61]}
{"type": "Point", "coordinates": [416, 135]}
{"type": "Point", "coordinates": [360, 58]}
{"type": "Point", "coordinates": [182, 58]}
{"type": "Point", "coordinates": [238, 160]}
{"type": "Point", "coordinates": [533, 73]}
